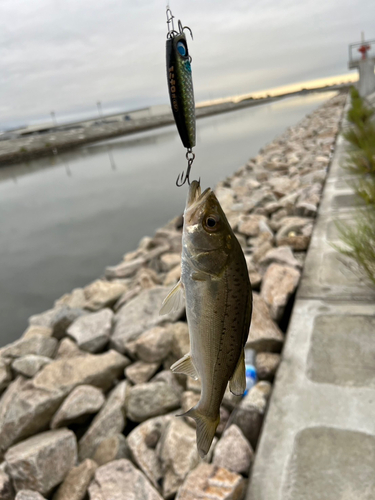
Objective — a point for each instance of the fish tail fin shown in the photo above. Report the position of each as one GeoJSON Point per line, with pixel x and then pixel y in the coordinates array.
{"type": "Point", "coordinates": [206, 428]}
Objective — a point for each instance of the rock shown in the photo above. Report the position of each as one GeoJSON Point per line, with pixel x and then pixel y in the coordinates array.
{"type": "Point", "coordinates": [101, 293]}
{"type": "Point", "coordinates": [171, 379]}
{"type": "Point", "coordinates": [68, 349]}
{"type": "Point", "coordinates": [75, 484]}
{"type": "Point", "coordinates": [224, 418]}
{"type": "Point", "coordinates": [140, 372]}
{"type": "Point", "coordinates": [264, 334]}
{"type": "Point", "coordinates": [295, 232]}
{"type": "Point", "coordinates": [5, 375]}
{"type": "Point", "coordinates": [173, 276]}
{"type": "Point", "coordinates": [25, 410]}
{"type": "Point", "coordinates": [154, 345]}
{"type": "Point", "coordinates": [41, 462]}
{"type": "Point", "coordinates": [125, 269]}
{"type": "Point", "coordinates": [180, 339]}
{"type": "Point", "coordinates": [100, 370]}
{"type": "Point", "coordinates": [169, 260]}
{"type": "Point", "coordinates": [110, 421]}
{"type": "Point", "coordinates": [92, 331]}
{"type": "Point", "coordinates": [112, 448]}
{"type": "Point", "coordinates": [279, 283]}
{"type": "Point", "coordinates": [143, 441]}
{"type": "Point", "coordinates": [249, 224]}
{"type": "Point", "coordinates": [30, 364]}
{"type": "Point", "coordinates": [44, 318]}
{"type": "Point", "coordinates": [63, 319]}
{"type": "Point", "coordinates": [37, 330]}
{"type": "Point", "coordinates": [251, 410]}
{"type": "Point", "coordinates": [266, 364]}
{"type": "Point", "coordinates": [150, 400]}
{"type": "Point", "coordinates": [29, 495]}
{"type": "Point", "coordinates": [178, 453]}
{"type": "Point", "coordinates": [140, 314]}
{"type": "Point", "coordinates": [209, 481]}
{"type": "Point", "coordinates": [224, 455]}
{"type": "Point", "coordinates": [305, 209]}
{"type": "Point", "coordinates": [146, 278]}
{"type": "Point", "coordinates": [75, 299]}
{"type": "Point", "coordinates": [261, 251]}
{"type": "Point", "coordinates": [281, 255]}
{"type": "Point", "coordinates": [36, 344]}
{"type": "Point", "coordinates": [81, 402]}
{"type": "Point", "coordinates": [119, 480]}
{"type": "Point", "coordinates": [6, 487]}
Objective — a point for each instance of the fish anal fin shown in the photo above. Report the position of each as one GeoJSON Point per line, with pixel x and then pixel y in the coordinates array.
{"type": "Point", "coordinates": [206, 428]}
{"type": "Point", "coordinates": [237, 384]}
{"type": "Point", "coordinates": [185, 365]}
{"type": "Point", "coordinates": [172, 301]}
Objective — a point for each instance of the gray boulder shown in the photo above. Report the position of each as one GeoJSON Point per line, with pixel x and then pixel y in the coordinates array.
{"type": "Point", "coordinates": [41, 462]}
{"type": "Point", "coordinates": [221, 484]}
{"type": "Point", "coordinates": [100, 370]}
{"type": "Point", "coordinates": [266, 364]}
{"type": "Point", "coordinates": [150, 400]}
{"type": "Point", "coordinates": [154, 345]}
{"type": "Point", "coordinates": [81, 402]}
{"type": "Point", "coordinates": [25, 410]}
{"type": "Point", "coordinates": [75, 484]}
{"type": "Point", "coordinates": [279, 283]}
{"type": "Point", "coordinates": [92, 331]}
{"type": "Point", "coordinates": [29, 495]}
{"type": "Point", "coordinates": [119, 480]}
{"type": "Point", "coordinates": [101, 293]}
{"type": "Point", "coordinates": [233, 451]}
{"type": "Point", "coordinates": [110, 421]}
{"type": "Point", "coordinates": [5, 374]}
{"type": "Point", "coordinates": [178, 453]}
{"type": "Point", "coordinates": [143, 441]}
{"type": "Point", "coordinates": [30, 364]}
{"type": "Point", "coordinates": [251, 410]}
{"type": "Point", "coordinates": [68, 349]}
{"type": "Point", "coordinates": [37, 330]}
{"type": "Point", "coordinates": [264, 333]}
{"type": "Point", "coordinates": [6, 487]}
{"type": "Point", "coordinates": [36, 344]}
{"type": "Point", "coordinates": [140, 314]}
{"type": "Point", "coordinates": [112, 448]}
{"type": "Point", "coordinates": [140, 372]}
{"type": "Point", "coordinates": [64, 317]}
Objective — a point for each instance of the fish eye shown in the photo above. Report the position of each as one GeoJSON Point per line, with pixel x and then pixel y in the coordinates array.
{"type": "Point", "coordinates": [181, 48]}
{"type": "Point", "coordinates": [211, 222]}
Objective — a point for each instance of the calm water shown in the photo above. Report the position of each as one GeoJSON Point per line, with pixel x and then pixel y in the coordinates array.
{"type": "Point", "coordinates": [63, 220]}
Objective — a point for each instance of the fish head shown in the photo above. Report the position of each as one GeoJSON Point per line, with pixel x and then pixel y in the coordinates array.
{"type": "Point", "coordinates": [208, 237]}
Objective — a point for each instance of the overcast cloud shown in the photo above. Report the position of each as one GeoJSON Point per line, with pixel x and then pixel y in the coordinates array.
{"type": "Point", "coordinates": [65, 55]}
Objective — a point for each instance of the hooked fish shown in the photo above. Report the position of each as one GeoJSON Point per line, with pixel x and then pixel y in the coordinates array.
{"type": "Point", "coordinates": [216, 286]}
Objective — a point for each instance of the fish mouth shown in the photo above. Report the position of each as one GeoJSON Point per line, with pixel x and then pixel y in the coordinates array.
{"type": "Point", "coordinates": [195, 196]}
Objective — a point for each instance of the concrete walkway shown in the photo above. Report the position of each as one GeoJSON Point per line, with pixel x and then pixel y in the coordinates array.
{"type": "Point", "coordinates": [318, 441]}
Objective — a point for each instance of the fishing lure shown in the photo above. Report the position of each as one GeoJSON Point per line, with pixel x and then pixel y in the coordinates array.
{"type": "Point", "coordinates": [181, 93]}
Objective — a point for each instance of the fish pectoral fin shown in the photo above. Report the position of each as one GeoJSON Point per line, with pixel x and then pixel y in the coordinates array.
{"type": "Point", "coordinates": [237, 384]}
{"type": "Point", "coordinates": [185, 365]}
{"type": "Point", "coordinates": [206, 428]}
{"type": "Point", "coordinates": [173, 300]}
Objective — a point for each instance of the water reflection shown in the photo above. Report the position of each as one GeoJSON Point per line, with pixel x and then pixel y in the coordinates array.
{"type": "Point", "coordinates": [63, 219]}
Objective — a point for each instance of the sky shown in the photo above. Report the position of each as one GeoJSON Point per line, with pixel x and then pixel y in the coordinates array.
{"type": "Point", "coordinates": [66, 55]}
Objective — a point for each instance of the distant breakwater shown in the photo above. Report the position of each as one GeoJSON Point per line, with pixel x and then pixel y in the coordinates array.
{"type": "Point", "coordinates": [88, 399]}
{"type": "Point", "coordinates": [58, 139]}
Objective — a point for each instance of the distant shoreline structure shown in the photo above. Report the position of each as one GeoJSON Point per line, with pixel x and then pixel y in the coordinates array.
{"type": "Point", "coordinates": [36, 141]}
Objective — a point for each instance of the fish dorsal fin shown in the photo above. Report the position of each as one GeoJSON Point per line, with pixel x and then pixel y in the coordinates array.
{"type": "Point", "coordinates": [172, 301]}
{"type": "Point", "coordinates": [237, 384]}
{"type": "Point", "coordinates": [185, 365]}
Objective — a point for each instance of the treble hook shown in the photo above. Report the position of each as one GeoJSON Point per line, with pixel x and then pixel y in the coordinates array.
{"type": "Point", "coordinates": [182, 28]}
{"type": "Point", "coordinates": [182, 178]}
